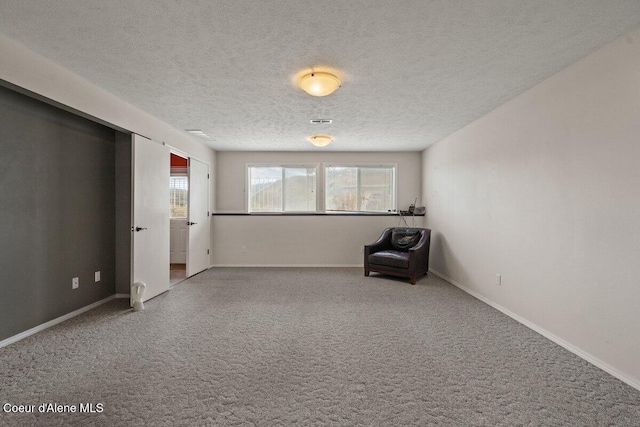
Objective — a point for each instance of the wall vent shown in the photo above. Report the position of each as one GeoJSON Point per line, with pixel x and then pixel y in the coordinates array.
{"type": "Point", "coordinates": [321, 121]}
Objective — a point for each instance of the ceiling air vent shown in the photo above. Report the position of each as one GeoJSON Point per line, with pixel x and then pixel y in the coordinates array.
{"type": "Point", "coordinates": [198, 133]}
{"type": "Point", "coordinates": [320, 121]}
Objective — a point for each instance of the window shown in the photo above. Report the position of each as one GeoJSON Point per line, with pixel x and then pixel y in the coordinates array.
{"type": "Point", "coordinates": [179, 196]}
{"type": "Point", "coordinates": [282, 188]}
{"type": "Point", "coordinates": [349, 188]}
{"type": "Point", "coordinates": [360, 188]}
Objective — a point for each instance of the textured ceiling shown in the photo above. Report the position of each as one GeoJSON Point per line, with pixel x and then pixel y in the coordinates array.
{"type": "Point", "coordinates": [414, 71]}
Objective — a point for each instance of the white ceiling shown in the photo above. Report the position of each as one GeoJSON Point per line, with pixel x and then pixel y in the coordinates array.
{"type": "Point", "coordinates": [414, 71]}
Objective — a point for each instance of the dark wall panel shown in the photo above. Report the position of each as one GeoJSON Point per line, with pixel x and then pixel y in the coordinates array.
{"type": "Point", "coordinates": [57, 204]}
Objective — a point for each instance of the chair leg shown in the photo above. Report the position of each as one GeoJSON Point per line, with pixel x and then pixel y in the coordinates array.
{"type": "Point", "coordinates": [413, 280]}
{"type": "Point", "coordinates": [366, 272]}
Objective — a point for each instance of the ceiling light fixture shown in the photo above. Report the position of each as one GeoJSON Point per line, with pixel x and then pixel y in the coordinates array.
{"type": "Point", "coordinates": [319, 83]}
{"type": "Point", "coordinates": [320, 140]}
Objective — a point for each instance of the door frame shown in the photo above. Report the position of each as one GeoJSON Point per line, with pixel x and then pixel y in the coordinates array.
{"type": "Point", "coordinates": [188, 156]}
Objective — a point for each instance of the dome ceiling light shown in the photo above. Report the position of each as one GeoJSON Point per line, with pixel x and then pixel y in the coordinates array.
{"type": "Point", "coordinates": [320, 140]}
{"type": "Point", "coordinates": [319, 83]}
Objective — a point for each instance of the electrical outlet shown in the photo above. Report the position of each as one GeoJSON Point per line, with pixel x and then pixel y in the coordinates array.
{"type": "Point", "coordinates": [75, 282]}
{"type": "Point", "coordinates": [498, 279]}
{"type": "Point", "coordinates": [97, 275]}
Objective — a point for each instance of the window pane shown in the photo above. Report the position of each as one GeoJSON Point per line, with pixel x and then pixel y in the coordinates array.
{"type": "Point", "coordinates": [360, 188]}
{"type": "Point", "coordinates": [376, 189]}
{"type": "Point", "coordinates": [300, 189]}
{"type": "Point", "coordinates": [265, 189]}
{"type": "Point", "coordinates": [178, 196]}
{"type": "Point", "coordinates": [341, 192]}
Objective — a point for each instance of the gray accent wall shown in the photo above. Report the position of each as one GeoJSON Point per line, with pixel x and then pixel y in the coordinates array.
{"type": "Point", "coordinates": [57, 204]}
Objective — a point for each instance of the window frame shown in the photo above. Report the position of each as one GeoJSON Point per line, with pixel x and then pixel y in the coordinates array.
{"type": "Point", "coordinates": [360, 165]}
{"type": "Point", "coordinates": [321, 175]}
{"type": "Point", "coordinates": [284, 166]}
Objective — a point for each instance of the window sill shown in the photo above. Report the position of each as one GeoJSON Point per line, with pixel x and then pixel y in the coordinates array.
{"type": "Point", "coordinates": [310, 214]}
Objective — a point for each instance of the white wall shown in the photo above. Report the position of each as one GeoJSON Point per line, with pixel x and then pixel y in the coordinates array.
{"type": "Point", "coordinates": [300, 241]}
{"type": "Point", "coordinates": [544, 190]}
{"type": "Point", "coordinates": [232, 170]}
{"type": "Point", "coordinates": [323, 240]}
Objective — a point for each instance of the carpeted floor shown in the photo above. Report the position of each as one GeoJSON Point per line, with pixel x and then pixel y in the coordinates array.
{"type": "Point", "coordinates": [298, 347]}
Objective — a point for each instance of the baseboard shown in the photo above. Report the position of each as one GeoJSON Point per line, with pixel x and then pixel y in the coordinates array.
{"type": "Point", "coordinates": [291, 265]}
{"type": "Point", "coordinates": [123, 296]}
{"type": "Point", "coordinates": [50, 323]}
{"type": "Point", "coordinates": [633, 382]}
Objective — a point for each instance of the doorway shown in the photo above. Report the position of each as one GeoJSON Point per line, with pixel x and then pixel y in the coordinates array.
{"type": "Point", "coordinates": [189, 217]}
{"type": "Point", "coordinates": [179, 208]}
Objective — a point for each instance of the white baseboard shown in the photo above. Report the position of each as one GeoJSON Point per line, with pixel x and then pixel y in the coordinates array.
{"type": "Point", "coordinates": [50, 323]}
{"type": "Point", "coordinates": [123, 296]}
{"type": "Point", "coordinates": [633, 382]}
{"type": "Point", "coordinates": [291, 265]}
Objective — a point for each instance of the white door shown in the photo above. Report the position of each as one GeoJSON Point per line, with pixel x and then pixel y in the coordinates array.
{"type": "Point", "coordinates": [198, 254]}
{"type": "Point", "coordinates": [150, 219]}
{"type": "Point", "coordinates": [178, 239]}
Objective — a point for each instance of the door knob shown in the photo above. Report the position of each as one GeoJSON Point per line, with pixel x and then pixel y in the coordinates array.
{"type": "Point", "coordinates": [138, 228]}
{"type": "Point", "coordinates": [191, 223]}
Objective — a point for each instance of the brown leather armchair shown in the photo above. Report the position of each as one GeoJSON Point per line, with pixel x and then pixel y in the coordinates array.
{"type": "Point", "coordinates": [400, 252]}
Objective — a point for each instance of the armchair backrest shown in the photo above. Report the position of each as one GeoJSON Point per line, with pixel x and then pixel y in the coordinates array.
{"type": "Point", "coordinates": [405, 238]}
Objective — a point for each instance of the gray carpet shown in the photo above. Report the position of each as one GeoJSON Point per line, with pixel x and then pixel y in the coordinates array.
{"type": "Point", "coordinates": [298, 347]}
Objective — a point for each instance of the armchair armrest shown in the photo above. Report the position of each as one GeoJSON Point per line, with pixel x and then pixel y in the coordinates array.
{"type": "Point", "coordinates": [383, 242]}
{"type": "Point", "coordinates": [422, 243]}
{"type": "Point", "coordinates": [419, 254]}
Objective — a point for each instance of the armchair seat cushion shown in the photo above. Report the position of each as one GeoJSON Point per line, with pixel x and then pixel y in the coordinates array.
{"type": "Point", "coordinates": [390, 258]}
